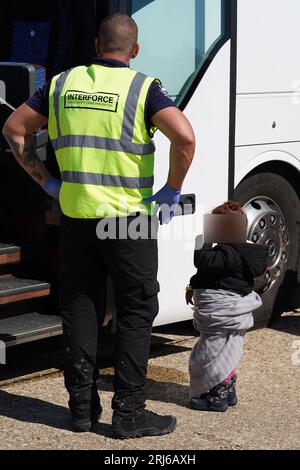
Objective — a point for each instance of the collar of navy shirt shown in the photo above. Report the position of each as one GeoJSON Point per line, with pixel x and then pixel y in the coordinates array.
{"type": "Point", "coordinates": [109, 62]}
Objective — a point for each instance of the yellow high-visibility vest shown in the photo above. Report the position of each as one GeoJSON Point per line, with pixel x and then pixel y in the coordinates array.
{"type": "Point", "coordinates": [104, 150]}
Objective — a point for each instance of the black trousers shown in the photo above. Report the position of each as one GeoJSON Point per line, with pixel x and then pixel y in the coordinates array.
{"type": "Point", "coordinates": [86, 262]}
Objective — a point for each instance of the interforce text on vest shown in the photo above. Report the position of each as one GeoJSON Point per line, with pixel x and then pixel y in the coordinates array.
{"type": "Point", "coordinates": [99, 98]}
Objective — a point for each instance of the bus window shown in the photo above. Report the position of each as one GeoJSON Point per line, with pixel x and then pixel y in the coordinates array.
{"type": "Point", "coordinates": [175, 37]}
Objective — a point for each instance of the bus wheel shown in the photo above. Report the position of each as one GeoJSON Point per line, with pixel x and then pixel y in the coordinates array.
{"type": "Point", "coordinates": [273, 211]}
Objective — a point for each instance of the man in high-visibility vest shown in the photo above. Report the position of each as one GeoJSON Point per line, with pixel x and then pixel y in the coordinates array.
{"type": "Point", "coordinates": [101, 120]}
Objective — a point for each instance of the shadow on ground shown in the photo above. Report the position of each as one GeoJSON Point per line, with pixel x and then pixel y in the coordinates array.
{"type": "Point", "coordinates": [289, 323]}
{"type": "Point", "coordinates": [33, 410]}
{"type": "Point", "coordinates": [164, 384]}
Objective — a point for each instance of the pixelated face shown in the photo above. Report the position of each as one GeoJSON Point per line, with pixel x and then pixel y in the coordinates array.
{"type": "Point", "coordinates": [229, 228]}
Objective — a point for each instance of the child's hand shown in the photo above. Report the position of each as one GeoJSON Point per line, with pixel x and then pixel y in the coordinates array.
{"type": "Point", "coordinates": [189, 297]}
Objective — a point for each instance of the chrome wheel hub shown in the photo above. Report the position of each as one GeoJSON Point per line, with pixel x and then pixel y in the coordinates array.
{"type": "Point", "coordinates": [267, 227]}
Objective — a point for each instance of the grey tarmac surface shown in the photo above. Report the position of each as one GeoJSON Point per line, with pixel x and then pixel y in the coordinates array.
{"type": "Point", "coordinates": [34, 415]}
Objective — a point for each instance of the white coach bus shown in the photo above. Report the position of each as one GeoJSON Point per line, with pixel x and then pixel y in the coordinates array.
{"type": "Point", "coordinates": [233, 67]}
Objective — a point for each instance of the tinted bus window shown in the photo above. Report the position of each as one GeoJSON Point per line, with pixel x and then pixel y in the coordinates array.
{"type": "Point", "coordinates": [175, 37]}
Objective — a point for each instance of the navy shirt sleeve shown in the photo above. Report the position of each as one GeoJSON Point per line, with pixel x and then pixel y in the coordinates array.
{"type": "Point", "coordinates": [158, 99]}
{"type": "Point", "coordinates": [39, 102]}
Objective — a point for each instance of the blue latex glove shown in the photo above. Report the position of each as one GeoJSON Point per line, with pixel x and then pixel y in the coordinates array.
{"type": "Point", "coordinates": [52, 187]}
{"type": "Point", "coordinates": [167, 200]}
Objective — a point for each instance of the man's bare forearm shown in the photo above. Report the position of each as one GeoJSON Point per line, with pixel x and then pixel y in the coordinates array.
{"type": "Point", "coordinates": [181, 157]}
{"type": "Point", "coordinates": [25, 153]}
{"type": "Point", "coordinates": [177, 128]}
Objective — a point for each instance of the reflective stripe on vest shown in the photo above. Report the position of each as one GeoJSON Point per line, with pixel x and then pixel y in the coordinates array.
{"type": "Point", "coordinates": [107, 180]}
{"type": "Point", "coordinates": [125, 144]}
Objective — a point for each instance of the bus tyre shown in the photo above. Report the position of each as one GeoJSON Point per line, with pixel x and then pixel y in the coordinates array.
{"type": "Point", "coordinates": [273, 211]}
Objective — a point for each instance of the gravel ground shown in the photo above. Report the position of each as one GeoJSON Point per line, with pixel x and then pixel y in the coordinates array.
{"type": "Point", "coordinates": [33, 414]}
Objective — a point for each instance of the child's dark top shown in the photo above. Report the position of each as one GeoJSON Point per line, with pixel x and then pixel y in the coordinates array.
{"type": "Point", "coordinates": [230, 267]}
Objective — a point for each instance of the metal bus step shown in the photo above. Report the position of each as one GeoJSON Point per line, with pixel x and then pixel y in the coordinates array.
{"type": "Point", "coordinates": [9, 254]}
{"type": "Point", "coordinates": [13, 289]}
{"type": "Point", "coordinates": [29, 327]}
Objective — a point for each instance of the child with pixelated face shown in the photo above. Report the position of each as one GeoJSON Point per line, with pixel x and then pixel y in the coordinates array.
{"type": "Point", "coordinates": [223, 299]}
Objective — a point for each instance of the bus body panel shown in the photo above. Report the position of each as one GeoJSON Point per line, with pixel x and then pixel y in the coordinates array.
{"type": "Point", "coordinates": [268, 83]}
{"type": "Point", "coordinates": [267, 118]}
{"type": "Point", "coordinates": [208, 111]}
{"type": "Point", "coordinates": [268, 37]}
{"type": "Point", "coordinates": [249, 158]}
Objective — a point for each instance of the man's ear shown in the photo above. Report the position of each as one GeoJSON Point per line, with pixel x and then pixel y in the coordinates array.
{"type": "Point", "coordinates": [136, 50]}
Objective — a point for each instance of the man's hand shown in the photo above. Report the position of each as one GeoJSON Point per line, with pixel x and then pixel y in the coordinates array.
{"type": "Point", "coordinates": [52, 187]}
{"type": "Point", "coordinates": [167, 200]}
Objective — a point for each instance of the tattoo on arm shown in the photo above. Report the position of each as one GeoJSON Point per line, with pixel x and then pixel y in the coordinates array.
{"type": "Point", "coordinates": [30, 154]}
{"type": "Point", "coordinates": [26, 155]}
{"type": "Point", "coordinates": [36, 175]}
{"type": "Point", "coordinates": [16, 148]}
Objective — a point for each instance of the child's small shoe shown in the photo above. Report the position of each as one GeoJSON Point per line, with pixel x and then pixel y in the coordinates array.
{"type": "Point", "coordinates": [232, 396]}
{"type": "Point", "coordinates": [215, 400]}
{"type": "Point", "coordinates": [210, 404]}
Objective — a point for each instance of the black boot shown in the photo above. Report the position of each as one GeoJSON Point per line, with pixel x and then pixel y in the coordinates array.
{"type": "Point", "coordinates": [85, 408]}
{"type": "Point", "coordinates": [232, 396]}
{"type": "Point", "coordinates": [215, 400]}
{"type": "Point", "coordinates": [96, 408]}
{"type": "Point", "coordinates": [141, 423]}
{"type": "Point", "coordinates": [81, 414]}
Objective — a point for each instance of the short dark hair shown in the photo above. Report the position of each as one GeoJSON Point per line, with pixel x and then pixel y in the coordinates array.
{"type": "Point", "coordinates": [118, 33]}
